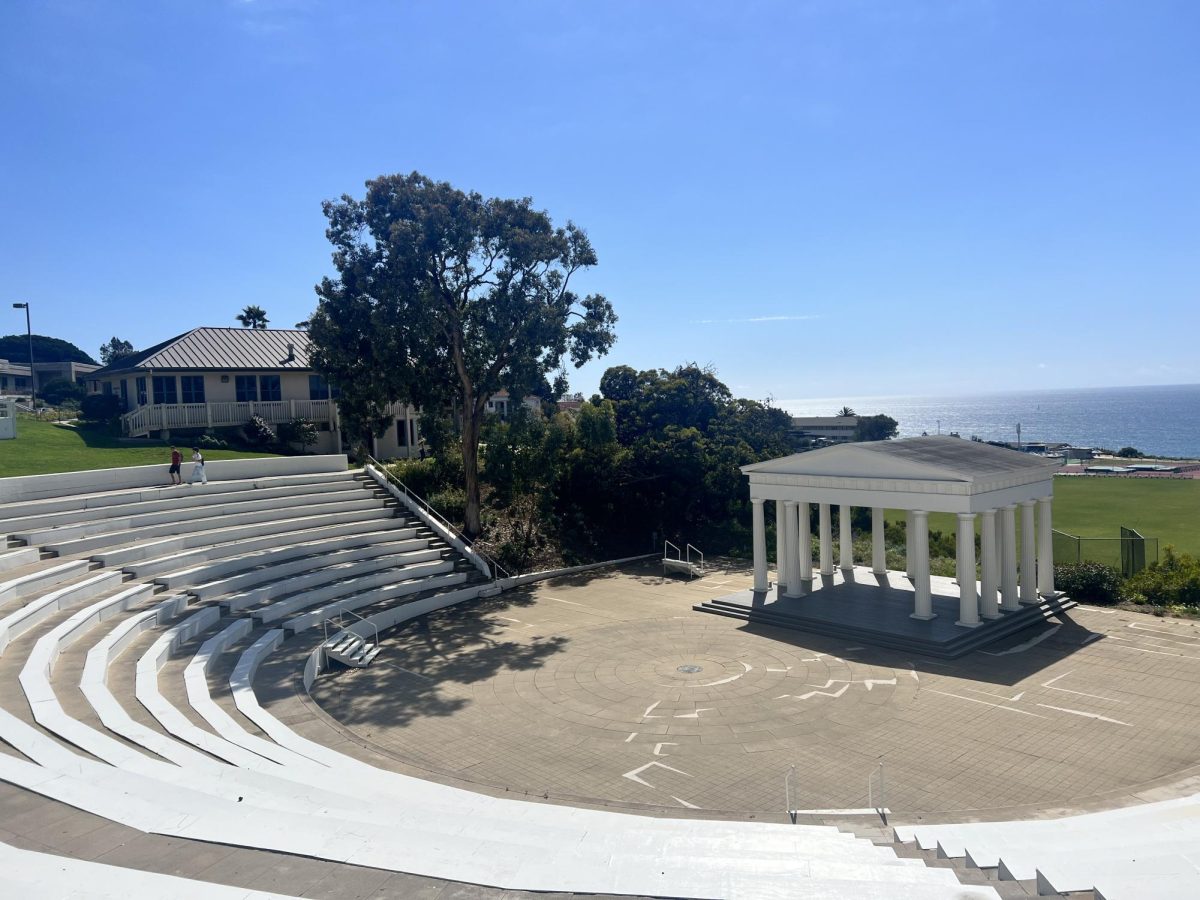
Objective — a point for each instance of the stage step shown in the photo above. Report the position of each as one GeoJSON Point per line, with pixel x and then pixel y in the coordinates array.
{"type": "Point", "coordinates": [969, 641]}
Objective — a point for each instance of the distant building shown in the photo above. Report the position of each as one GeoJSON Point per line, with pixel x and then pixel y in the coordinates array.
{"type": "Point", "coordinates": [221, 377]}
{"type": "Point", "coordinates": [825, 429]}
{"type": "Point", "coordinates": [14, 377]}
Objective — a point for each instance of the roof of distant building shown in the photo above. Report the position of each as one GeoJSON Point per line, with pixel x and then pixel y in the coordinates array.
{"type": "Point", "coordinates": [222, 349]}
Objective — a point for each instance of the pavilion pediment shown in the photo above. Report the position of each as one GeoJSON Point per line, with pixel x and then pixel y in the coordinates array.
{"type": "Point", "coordinates": [937, 459]}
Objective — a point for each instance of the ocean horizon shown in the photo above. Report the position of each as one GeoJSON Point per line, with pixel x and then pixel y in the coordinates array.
{"type": "Point", "coordinates": [1158, 420]}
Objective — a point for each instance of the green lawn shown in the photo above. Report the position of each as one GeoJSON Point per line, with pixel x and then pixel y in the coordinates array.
{"type": "Point", "coordinates": [44, 447]}
{"type": "Point", "coordinates": [1163, 508]}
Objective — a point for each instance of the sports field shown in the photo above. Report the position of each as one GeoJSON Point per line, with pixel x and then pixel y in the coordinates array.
{"type": "Point", "coordinates": [1163, 508]}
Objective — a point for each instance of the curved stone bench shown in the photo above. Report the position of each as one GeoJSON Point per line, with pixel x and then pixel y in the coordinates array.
{"type": "Point", "coordinates": [92, 536]}
{"type": "Point", "coordinates": [167, 503]}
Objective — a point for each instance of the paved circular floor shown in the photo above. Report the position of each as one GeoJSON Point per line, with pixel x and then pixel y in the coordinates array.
{"type": "Point", "coordinates": [610, 689]}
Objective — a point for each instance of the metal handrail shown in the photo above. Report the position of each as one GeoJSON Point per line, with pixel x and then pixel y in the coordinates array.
{"type": "Point", "coordinates": [690, 548]}
{"type": "Point", "coordinates": [325, 622]}
{"type": "Point", "coordinates": [678, 552]}
{"type": "Point", "coordinates": [882, 807]}
{"type": "Point", "coordinates": [361, 619]}
{"type": "Point", "coordinates": [787, 793]}
{"type": "Point", "coordinates": [497, 569]}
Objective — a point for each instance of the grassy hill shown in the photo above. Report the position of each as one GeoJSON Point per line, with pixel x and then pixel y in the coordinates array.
{"type": "Point", "coordinates": [45, 447]}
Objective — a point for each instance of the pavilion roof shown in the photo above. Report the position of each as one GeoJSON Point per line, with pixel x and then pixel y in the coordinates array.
{"type": "Point", "coordinates": [935, 458]}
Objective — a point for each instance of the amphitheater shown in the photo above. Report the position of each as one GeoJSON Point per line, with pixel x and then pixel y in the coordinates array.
{"type": "Point", "coordinates": [293, 681]}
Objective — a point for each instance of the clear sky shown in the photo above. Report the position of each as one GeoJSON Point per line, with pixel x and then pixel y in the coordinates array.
{"type": "Point", "coordinates": [826, 198]}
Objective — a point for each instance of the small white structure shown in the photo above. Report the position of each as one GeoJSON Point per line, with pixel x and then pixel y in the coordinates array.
{"type": "Point", "coordinates": [918, 475]}
{"type": "Point", "coordinates": [8, 419]}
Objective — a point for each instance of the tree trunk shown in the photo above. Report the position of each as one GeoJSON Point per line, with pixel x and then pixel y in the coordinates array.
{"type": "Point", "coordinates": [470, 452]}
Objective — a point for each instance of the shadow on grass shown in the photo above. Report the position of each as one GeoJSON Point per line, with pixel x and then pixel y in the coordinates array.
{"type": "Point", "coordinates": [100, 437]}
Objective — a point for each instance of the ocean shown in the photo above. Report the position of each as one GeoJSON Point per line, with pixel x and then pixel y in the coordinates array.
{"type": "Point", "coordinates": [1162, 420]}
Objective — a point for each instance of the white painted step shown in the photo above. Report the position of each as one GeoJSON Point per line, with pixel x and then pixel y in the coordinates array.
{"type": "Point", "coordinates": [169, 554]}
{"type": "Point", "coordinates": [170, 521]}
{"type": "Point", "coordinates": [43, 876]}
{"type": "Point", "coordinates": [180, 503]}
{"type": "Point", "coordinates": [203, 531]}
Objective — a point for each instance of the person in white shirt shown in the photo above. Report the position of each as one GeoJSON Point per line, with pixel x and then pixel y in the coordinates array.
{"type": "Point", "coordinates": [198, 467]}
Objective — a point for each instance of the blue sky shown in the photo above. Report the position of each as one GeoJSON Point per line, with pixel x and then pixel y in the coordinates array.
{"type": "Point", "coordinates": [821, 199]}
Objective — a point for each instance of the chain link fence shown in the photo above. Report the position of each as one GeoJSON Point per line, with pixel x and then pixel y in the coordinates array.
{"type": "Point", "coordinates": [1128, 554]}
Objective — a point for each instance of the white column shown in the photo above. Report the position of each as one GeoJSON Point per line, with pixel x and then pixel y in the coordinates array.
{"type": "Point", "coordinates": [922, 602]}
{"type": "Point", "coordinates": [845, 538]}
{"type": "Point", "coordinates": [909, 569]}
{"type": "Point", "coordinates": [825, 537]}
{"type": "Point", "coordinates": [1028, 558]}
{"type": "Point", "coordinates": [988, 608]}
{"type": "Point", "coordinates": [1008, 558]}
{"type": "Point", "coordinates": [804, 544]}
{"type": "Point", "coordinates": [794, 588]}
{"type": "Point", "coordinates": [878, 552]}
{"type": "Point", "coordinates": [780, 544]}
{"type": "Point", "coordinates": [760, 545]}
{"type": "Point", "coordinates": [1045, 563]}
{"type": "Point", "coordinates": [968, 600]}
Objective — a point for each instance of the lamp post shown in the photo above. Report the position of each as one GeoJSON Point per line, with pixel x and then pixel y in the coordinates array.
{"type": "Point", "coordinates": [32, 377]}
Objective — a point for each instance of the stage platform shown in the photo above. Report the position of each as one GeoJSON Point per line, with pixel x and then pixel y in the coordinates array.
{"type": "Point", "coordinates": [876, 609]}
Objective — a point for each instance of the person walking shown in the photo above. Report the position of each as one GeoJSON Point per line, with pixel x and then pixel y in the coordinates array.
{"type": "Point", "coordinates": [176, 463]}
{"type": "Point", "coordinates": [198, 467]}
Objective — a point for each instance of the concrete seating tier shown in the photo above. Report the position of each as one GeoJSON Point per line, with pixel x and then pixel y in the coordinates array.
{"type": "Point", "coordinates": [1121, 854]}
{"type": "Point", "coordinates": [29, 874]}
{"type": "Point", "coordinates": [152, 734]}
{"type": "Point", "coordinates": [177, 502]}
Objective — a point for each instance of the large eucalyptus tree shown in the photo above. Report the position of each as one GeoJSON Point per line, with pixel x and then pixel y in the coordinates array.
{"type": "Point", "coordinates": [443, 298]}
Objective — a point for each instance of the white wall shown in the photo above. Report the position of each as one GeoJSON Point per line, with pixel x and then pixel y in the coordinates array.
{"type": "Point", "coordinates": [37, 487]}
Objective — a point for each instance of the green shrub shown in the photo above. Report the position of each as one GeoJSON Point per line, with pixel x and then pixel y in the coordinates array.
{"type": "Point", "coordinates": [1089, 582]}
{"type": "Point", "coordinates": [259, 432]}
{"type": "Point", "coordinates": [299, 431]}
{"type": "Point", "coordinates": [56, 391]}
{"type": "Point", "coordinates": [1174, 581]}
{"type": "Point", "coordinates": [100, 407]}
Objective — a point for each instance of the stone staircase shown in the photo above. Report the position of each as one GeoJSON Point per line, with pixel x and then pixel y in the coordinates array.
{"type": "Point", "coordinates": [966, 642]}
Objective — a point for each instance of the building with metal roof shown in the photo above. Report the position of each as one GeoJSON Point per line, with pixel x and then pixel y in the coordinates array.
{"type": "Point", "coordinates": [221, 377]}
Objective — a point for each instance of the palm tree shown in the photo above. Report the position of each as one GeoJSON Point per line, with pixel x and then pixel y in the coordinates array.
{"type": "Point", "coordinates": [846, 411]}
{"type": "Point", "coordinates": [253, 317]}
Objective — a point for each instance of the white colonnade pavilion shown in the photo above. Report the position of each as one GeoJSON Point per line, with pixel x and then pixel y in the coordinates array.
{"type": "Point", "coordinates": [972, 480]}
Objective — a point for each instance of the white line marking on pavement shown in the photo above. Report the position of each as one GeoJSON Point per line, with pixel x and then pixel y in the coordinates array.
{"type": "Point", "coordinates": [747, 667]}
{"type": "Point", "coordinates": [1050, 684]}
{"type": "Point", "coordinates": [632, 735]}
{"type": "Point", "coordinates": [696, 714]}
{"type": "Point", "coordinates": [834, 695]}
{"type": "Point", "coordinates": [633, 774]}
{"type": "Point", "coordinates": [684, 802]}
{"type": "Point", "coordinates": [658, 747]}
{"type": "Point", "coordinates": [1090, 638]}
{"type": "Point", "coordinates": [1137, 626]}
{"type": "Point", "coordinates": [560, 600]}
{"type": "Point", "coordinates": [650, 709]}
{"type": "Point", "coordinates": [1079, 712]}
{"type": "Point", "coordinates": [788, 669]}
{"type": "Point", "coordinates": [1155, 652]}
{"type": "Point", "coordinates": [1000, 696]}
{"type": "Point", "coordinates": [985, 703]}
{"type": "Point", "coordinates": [871, 682]}
{"type": "Point", "coordinates": [1021, 648]}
